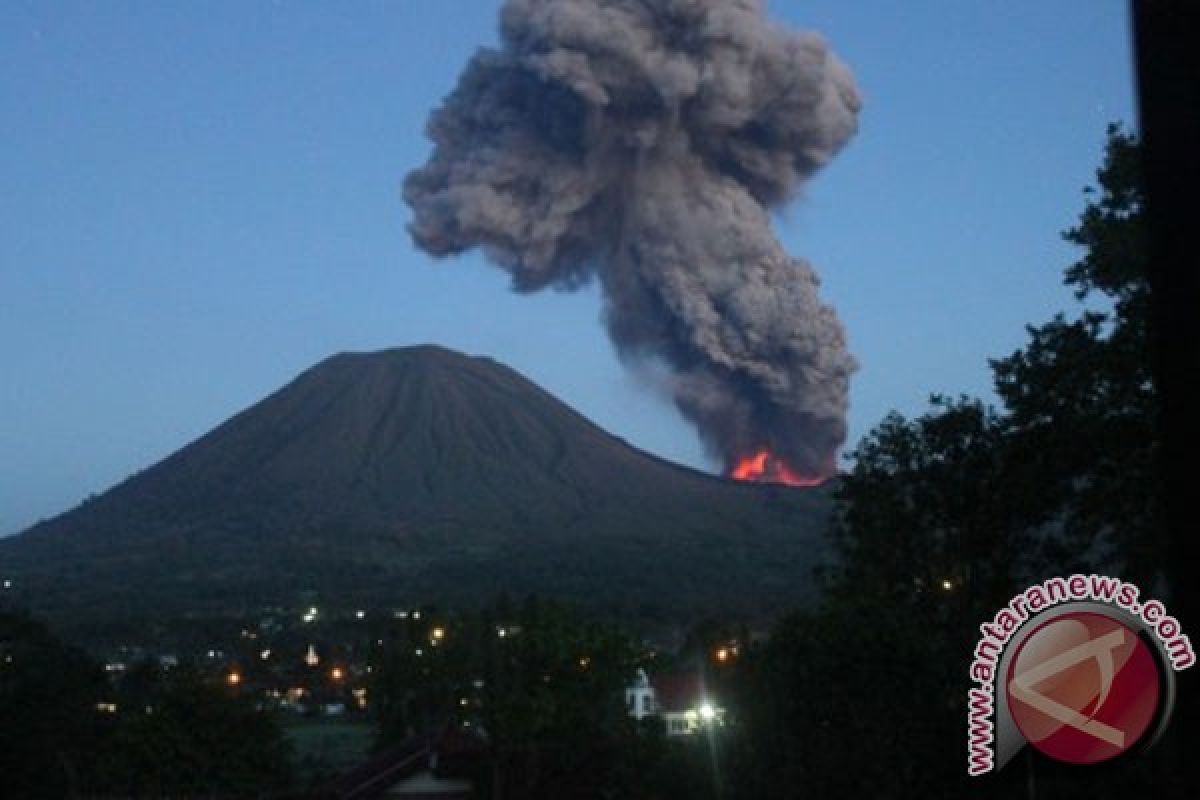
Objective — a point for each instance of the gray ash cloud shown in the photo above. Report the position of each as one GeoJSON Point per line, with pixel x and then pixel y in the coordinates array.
{"type": "Point", "coordinates": [644, 143]}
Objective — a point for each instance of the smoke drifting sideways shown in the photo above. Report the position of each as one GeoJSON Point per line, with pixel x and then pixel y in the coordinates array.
{"type": "Point", "coordinates": [644, 143]}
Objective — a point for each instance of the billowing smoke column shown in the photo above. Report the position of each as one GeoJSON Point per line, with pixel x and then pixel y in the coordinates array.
{"type": "Point", "coordinates": [644, 142]}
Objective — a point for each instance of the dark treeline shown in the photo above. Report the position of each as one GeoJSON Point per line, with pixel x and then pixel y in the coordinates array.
{"type": "Point", "coordinates": [945, 517]}
{"type": "Point", "coordinates": [542, 686]}
{"type": "Point", "coordinates": [67, 731]}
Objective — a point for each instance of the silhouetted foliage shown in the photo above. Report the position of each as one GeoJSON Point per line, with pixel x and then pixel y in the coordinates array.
{"type": "Point", "coordinates": [543, 686]}
{"type": "Point", "coordinates": [66, 731]}
{"type": "Point", "coordinates": [944, 517]}
{"type": "Point", "coordinates": [50, 729]}
{"type": "Point", "coordinates": [1080, 397]}
{"type": "Point", "coordinates": [184, 736]}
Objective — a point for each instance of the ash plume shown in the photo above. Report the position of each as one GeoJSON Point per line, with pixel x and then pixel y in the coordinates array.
{"type": "Point", "coordinates": [644, 143]}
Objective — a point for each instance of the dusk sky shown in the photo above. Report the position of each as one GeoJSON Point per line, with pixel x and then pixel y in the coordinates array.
{"type": "Point", "coordinates": [201, 200]}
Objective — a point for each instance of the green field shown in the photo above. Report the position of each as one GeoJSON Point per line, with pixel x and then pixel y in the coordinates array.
{"type": "Point", "coordinates": [328, 746]}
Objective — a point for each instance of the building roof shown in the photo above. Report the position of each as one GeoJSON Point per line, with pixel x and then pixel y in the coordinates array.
{"type": "Point", "coordinates": [678, 691]}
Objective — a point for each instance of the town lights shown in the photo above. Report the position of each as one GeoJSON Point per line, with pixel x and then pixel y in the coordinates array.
{"type": "Point", "coordinates": [725, 653]}
{"type": "Point", "coordinates": [947, 584]}
{"type": "Point", "coordinates": [233, 678]}
{"type": "Point", "coordinates": [336, 673]}
{"type": "Point", "coordinates": [437, 634]}
{"type": "Point", "coordinates": [707, 712]}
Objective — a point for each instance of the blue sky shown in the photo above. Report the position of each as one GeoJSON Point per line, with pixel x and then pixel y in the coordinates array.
{"type": "Point", "coordinates": [203, 199]}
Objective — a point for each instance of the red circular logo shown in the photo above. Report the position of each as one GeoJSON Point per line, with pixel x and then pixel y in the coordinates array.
{"type": "Point", "coordinates": [1083, 688]}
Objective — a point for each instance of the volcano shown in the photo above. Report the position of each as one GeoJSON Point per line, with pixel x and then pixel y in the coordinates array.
{"type": "Point", "coordinates": [420, 475]}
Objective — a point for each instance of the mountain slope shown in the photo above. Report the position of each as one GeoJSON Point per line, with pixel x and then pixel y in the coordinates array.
{"type": "Point", "coordinates": [419, 474]}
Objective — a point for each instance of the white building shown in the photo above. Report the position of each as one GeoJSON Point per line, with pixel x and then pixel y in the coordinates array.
{"type": "Point", "coordinates": [680, 699]}
{"type": "Point", "coordinates": [639, 698]}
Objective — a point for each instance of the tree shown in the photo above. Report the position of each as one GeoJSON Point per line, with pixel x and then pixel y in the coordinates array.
{"type": "Point", "coordinates": [1080, 396]}
{"type": "Point", "coordinates": [552, 703]}
{"type": "Point", "coordinates": [1060, 479]}
{"type": "Point", "coordinates": [926, 512]}
{"type": "Point", "coordinates": [544, 685]}
{"type": "Point", "coordinates": [866, 695]}
{"type": "Point", "coordinates": [943, 518]}
{"type": "Point", "coordinates": [182, 735]}
{"type": "Point", "coordinates": [50, 729]}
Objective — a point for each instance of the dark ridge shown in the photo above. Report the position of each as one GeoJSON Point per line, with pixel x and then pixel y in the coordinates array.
{"type": "Point", "coordinates": [419, 475]}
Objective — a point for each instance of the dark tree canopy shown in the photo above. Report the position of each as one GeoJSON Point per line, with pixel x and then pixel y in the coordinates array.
{"type": "Point", "coordinates": [167, 735]}
{"type": "Point", "coordinates": [1080, 398]}
{"type": "Point", "coordinates": [946, 516]}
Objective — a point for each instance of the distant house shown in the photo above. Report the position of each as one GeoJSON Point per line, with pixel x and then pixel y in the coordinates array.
{"type": "Point", "coordinates": [639, 698]}
{"type": "Point", "coordinates": [680, 699]}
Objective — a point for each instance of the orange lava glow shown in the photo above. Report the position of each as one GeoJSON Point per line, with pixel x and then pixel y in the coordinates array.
{"type": "Point", "coordinates": [766, 468]}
